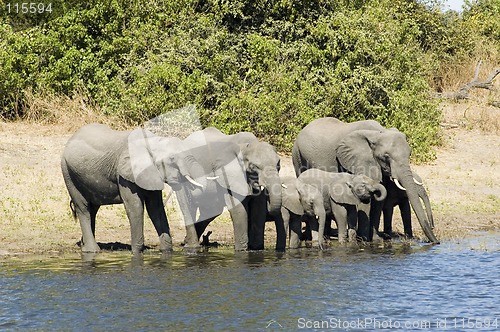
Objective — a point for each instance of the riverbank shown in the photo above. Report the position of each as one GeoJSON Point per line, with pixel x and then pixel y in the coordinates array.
{"type": "Point", "coordinates": [463, 183]}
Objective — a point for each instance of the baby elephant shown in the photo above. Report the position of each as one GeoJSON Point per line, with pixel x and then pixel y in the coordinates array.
{"type": "Point", "coordinates": [323, 193]}
{"type": "Point", "coordinates": [291, 213]}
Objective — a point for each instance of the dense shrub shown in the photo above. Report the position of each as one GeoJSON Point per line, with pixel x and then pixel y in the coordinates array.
{"type": "Point", "coordinates": [269, 67]}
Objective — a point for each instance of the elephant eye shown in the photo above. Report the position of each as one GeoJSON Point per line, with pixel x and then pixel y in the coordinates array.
{"type": "Point", "coordinates": [252, 167]}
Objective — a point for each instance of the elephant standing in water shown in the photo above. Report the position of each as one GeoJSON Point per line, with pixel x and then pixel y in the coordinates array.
{"type": "Point", "coordinates": [362, 147]}
{"type": "Point", "coordinates": [291, 212]}
{"type": "Point", "coordinates": [398, 197]}
{"type": "Point", "coordinates": [325, 195]}
{"type": "Point", "coordinates": [338, 194]}
{"type": "Point", "coordinates": [102, 166]}
{"type": "Point", "coordinates": [243, 175]}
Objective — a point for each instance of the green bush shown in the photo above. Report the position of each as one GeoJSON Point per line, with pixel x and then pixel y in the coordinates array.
{"type": "Point", "coordinates": [269, 67]}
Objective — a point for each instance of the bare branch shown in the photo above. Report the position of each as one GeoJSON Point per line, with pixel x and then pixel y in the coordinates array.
{"type": "Point", "coordinates": [463, 92]}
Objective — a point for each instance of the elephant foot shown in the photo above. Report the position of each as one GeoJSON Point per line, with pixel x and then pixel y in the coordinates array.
{"type": "Point", "coordinates": [409, 236]}
{"type": "Point", "coordinates": [377, 237]}
{"type": "Point", "coordinates": [192, 246]}
{"type": "Point", "coordinates": [90, 247]}
{"type": "Point", "coordinates": [351, 235]}
{"type": "Point", "coordinates": [241, 247]}
{"type": "Point", "coordinates": [384, 235]}
{"type": "Point", "coordinates": [138, 249]}
{"type": "Point", "coordinates": [165, 242]}
{"type": "Point", "coordinates": [294, 243]}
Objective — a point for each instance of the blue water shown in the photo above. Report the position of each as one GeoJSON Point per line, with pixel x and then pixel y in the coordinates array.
{"type": "Point", "coordinates": [454, 286]}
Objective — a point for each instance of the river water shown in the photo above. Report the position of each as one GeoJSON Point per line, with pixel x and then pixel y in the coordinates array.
{"type": "Point", "coordinates": [454, 286]}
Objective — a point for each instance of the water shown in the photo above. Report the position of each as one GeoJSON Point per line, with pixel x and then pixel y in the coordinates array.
{"type": "Point", "coordinates": [453, 286]}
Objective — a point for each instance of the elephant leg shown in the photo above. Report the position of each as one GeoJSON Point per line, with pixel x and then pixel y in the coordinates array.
{"type": "Point", "coordinates": [281, 231]}
{"type": "Point", "coordinates": [257, 218]}
{"type": "Point", "coordinates": [376, 208]}
{"type": "Point", "coordinates": [156, 212]}
{"type": "Point", "coordinates": [388, 213]}
{"type": "Point", "coordinates": [239, 215]}
{"type": "Point", "coordinates": [363, 224]}
{"type": "Point", "coordinates": [134, 206]}
{"type": "Point", "coordinates": [201, 225]}
{"type": "Point", "coordinates": [340, 215]}
{"type": "Point", "coordinates": [295, 223]}
{"type": "Point", "coordinates": [188, 209]}
{"type": "Point", "coordinates": [285, 216]}
{"type": "Point", "coordinates": [86, 214]}
{"type": "Point", "coordinates": [405, 209]}
{"type": "Point", "coordinates": [307, 234]}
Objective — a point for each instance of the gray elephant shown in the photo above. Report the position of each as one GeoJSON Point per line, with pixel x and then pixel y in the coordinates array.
{"type": "Point", "coordinates": [244, 177]}
{"type": "Point", "coordinates": [102, 166]}
{"type": "Point", "coordinates": [362, 147]}
{"type": "Point", "coordinates": [338, 194]}
{"type": "Point", "coordinates": [397, 197]}
{"type": "Point", "coordinates": [291, 212]}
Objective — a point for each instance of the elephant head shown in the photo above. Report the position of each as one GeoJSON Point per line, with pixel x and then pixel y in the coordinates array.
{"type": "Point", "coordinates": [262, 165]}
{"type": "Point", "coordinates": [359, 188]}
{"type": "Point", "coordinates": [290, 196]}
{"type": "Point", "coordinates": [312, 202]}
{"type": "Point", "coordinates": [150, 161]}
{"type": "Point", "coordinates": [376, 153]}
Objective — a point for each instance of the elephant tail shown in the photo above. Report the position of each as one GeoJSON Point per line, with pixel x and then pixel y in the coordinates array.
{"type": "Point", "coordinates": [73, 211]}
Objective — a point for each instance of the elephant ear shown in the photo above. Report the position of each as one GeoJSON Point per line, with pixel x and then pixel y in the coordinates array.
{"type": "Point", "coordinates": [355, 153]}
{"type": "Point", "coordinates": [230, 171]}
{"type": "Point", "coordinates": [341, 193]}
{"type": "Point", "coordinates": [136, 162]}
{"type": "Point", "coordinates": [291, 198]}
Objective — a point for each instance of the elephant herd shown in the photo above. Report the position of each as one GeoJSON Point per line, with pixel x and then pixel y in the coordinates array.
{"type": "Point", "coordinates": [345, 172]}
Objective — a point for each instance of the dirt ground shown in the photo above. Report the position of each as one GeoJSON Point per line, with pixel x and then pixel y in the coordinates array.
{"type": "Point", "coordinates": [463, 183]}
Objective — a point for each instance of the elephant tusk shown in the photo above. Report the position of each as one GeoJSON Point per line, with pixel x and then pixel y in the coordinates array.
{"type": "Point", "coordinates": [193, 182]}
{"type": "Point", "coordinates": [284, 186]}
{"type": "Point", "coordinates": [262, 188]}
{"type": "Point", "coordinates": [418, 182]}
{"type": "Point", "coordinates": [212, 177]}
{"type": "Point", "coordinates": [399, 185]}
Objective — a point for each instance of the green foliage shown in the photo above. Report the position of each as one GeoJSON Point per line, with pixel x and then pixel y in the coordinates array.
{"type": "Point", "coordinates": [269, 67]}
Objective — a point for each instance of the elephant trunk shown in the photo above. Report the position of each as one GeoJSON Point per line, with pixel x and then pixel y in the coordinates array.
{"type": "Point", "coordinates": [321, 214]}
{"type": "Point", "coordinates": [423, 194]}
{"type": "Point", "coordinates": [412, 190]}
{"type": "Point", "coordinates": [192, 170]}
{"type": "Point", "coordinates": [379, 192]}
{"type": "Point", "coordinates": [272, 182]}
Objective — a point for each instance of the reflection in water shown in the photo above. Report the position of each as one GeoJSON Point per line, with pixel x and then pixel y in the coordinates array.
{"type": "Point", "coordinates": [223, 290]}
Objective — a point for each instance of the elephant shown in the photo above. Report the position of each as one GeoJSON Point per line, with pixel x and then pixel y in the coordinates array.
{"type": "Point", "coordinates": [361, 147]}
{"type": "Point", "coordinates": [324, 193]}
{"type": "Point", "coordinates": [291, 212]}
{"type": "Point", "coordinates": [102, 166]}
{"type": "Point", "coordinates": [398, 197]}
{"type": "Point", "coordinates": [243, 173]}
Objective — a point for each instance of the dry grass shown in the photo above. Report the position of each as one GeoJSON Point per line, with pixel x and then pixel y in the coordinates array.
{"type": "Point", "coordinates": [66, 113]}
{"type": "Point", "coordinates": [469, 115]}
{"type": "Point", "coordinates": [479, 111]}
{"type": "Point", "coordinates": [455, 75]}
